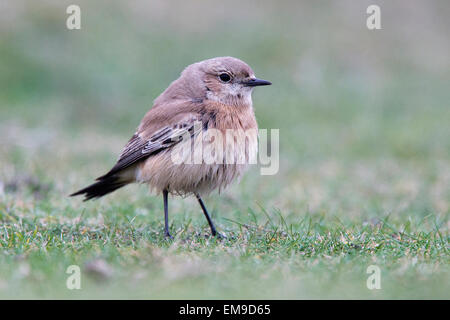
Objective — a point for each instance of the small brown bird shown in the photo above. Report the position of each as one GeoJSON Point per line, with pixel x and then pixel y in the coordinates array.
{"type": "Point", "coordinates": [210, 96]}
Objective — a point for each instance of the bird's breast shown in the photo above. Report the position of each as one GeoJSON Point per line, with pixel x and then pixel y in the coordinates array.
{"type": "Point", "coordinates": [211, 160]}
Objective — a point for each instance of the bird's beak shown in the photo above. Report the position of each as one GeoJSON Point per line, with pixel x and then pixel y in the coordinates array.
{"type": "Point", "coordinates": [256, 82]}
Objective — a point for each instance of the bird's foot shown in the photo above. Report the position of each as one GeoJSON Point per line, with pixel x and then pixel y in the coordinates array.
{"type": "Point", "coordinates": [219, 236]}
{"type": "Point", "coordinates": [167, 235]}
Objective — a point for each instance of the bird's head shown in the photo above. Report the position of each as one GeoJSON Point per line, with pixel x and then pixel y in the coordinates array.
{"type": "Point", "coordinates": [227, 80]}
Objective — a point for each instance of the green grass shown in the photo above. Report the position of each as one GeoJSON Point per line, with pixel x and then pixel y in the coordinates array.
{"type": "Point", "coordinates": [365, 157]}
{"type": "Point", "coordinates": [264, 256]}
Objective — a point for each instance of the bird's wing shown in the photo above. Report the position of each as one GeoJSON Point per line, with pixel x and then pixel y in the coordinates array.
{"type": "Point", "coordinates": [139, 147]}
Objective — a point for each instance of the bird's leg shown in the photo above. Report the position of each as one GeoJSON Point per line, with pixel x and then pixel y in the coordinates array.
{"type": "Point", "coordinates": [166, 214]}
{"type": "Point", "coordinates": [205, 211]}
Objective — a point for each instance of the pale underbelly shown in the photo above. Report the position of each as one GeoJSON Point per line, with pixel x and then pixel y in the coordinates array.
{"type": "Point", "coordinates": [161, 172]}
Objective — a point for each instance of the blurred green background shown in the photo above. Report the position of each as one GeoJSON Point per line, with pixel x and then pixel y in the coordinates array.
{"type": "Point", "coordinates": [364, 119]}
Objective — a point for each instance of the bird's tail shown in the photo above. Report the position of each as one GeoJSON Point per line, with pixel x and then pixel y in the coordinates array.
{"type": "Point", "coordinates": [103, 186]}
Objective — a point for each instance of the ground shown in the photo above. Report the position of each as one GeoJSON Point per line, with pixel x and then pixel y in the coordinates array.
{"type": "Point", "coordinates": [364, 175]}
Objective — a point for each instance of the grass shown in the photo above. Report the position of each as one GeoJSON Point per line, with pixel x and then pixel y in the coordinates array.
{"type": "Point", "coordinates": [126, 256]}
{"type": "Point", "coordinates": [365, 157]}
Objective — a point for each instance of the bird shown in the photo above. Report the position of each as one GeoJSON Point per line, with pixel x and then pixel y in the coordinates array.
{"type": "Point", "coordinates": [213, 95]}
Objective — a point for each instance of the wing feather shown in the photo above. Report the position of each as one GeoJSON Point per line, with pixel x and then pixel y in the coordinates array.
{"type": "Point", "coordinates": [138, 148]}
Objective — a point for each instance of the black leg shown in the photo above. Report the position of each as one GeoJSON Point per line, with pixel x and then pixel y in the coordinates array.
{"type": "Point", "coordinates": [166, 214]}
{"type": "Point", "coordinates": [211, 224]}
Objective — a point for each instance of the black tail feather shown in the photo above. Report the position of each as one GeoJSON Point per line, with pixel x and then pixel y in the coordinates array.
{"type": "Point", "coordinates": [100, 188]}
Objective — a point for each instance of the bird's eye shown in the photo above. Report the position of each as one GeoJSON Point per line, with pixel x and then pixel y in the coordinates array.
{"type": "Point", "coordinates": [224, 77]}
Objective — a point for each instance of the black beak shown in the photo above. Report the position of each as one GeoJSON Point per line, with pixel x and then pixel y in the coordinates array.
{"type": "Point", "coordinates": [256, 82]}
